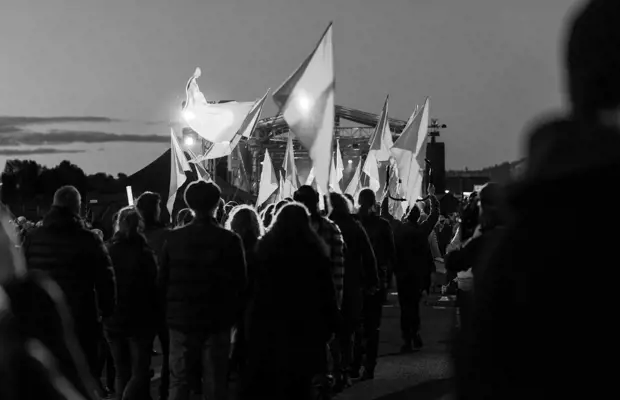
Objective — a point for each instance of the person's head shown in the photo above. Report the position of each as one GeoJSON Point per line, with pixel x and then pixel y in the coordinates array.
{"type": "Point", "coordinates": [244, 221]}
{"type": "Point", "coordinates": [351, 200]}
{"type": "Point", "coordinates": [68, 198]}
{"type": "Point", "coordinates": [413, 216]}
{"type": "Point", "coordinates": [203, 198]}
{"type": "Point", "coordinates": [592, 59]}
{"type": "Point", "coordinates": [128, 222]}
{"type": "Point", "coordinates": [366, 199]}
{"type": "Point", "coordinates": [184, 217]}
{"type": "Point", "coordinates": [490, 204]}
{"type": "Point", "coordinates": [267, 215]}
{"type": "Point", "coordinates": [340, 205]}
{"type": "Point", "coordinates": [148, 205]}
{"type": "Point", "coordinates": [279, 205]}
{"type": "Point", "coordinates": [292, 219]}
{"type": "Point", "coordinates": [307, 196]}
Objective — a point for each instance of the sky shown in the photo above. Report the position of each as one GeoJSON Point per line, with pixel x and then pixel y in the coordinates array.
{"type": "Point", "coordinates": [98, 82]}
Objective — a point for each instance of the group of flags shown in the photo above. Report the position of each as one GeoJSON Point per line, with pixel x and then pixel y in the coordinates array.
{"type": "Point", "coordinates": [306, 102]}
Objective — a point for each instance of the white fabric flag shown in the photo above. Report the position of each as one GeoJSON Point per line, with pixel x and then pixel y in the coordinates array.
{"type": "Point", "coordinates": [245, 130]}
{"type": "Point", "coordinates": [381, 140]}
{"type": "Point", "coordinates": [333, 179]}
{"type": "Point", "coordinates": [306, 100]}
{"type": "Point", "coordinates": [310, 177]}
{"type": "Point", "coordinates": [290, 181]}
{"type": "Point", "coordinates": [268, 181]}
{"type": "Point", "coordinates": [409, 152]}
{"type": "Point", "coordinates": [372, 171]}
{"type": "Point", "coordinates": [354, 185]}
{"type": "Point", "coordinates": [178, 167]}
{"type": "Point", "coordinates": [216, 123]}
{"type": "Point", "coordinates": [339, 163]}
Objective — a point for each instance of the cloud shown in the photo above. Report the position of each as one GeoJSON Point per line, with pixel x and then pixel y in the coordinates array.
{"type": "Point", "coordinates": [21, 121]}
{"type": "Point", "coordinates": [18, 152]}
{"type": "Point", "coordinates": [57, 137]}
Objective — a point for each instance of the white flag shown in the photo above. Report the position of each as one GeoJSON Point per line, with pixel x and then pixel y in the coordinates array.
{"type": "Point", "coordinates": [178, 167]}
{"type": "Point", "coordinates": [245, 130]}
{"type": "Point", "coordinates": [339, 163]}
{"type": "Point", "coordinates": [216, 123]}
{"type": "Point", "coordinates": [334, 183]}
{"type": "Point", "coordinates": [372, 171]}
{"type": "Point", "coordinates": [355, 184]}
{"type": "Point", "coordinates": [381, 140]}
{"type": "Point", "coordinates": [306, 100]}
{"type": "Point", "coordinates": [268, 181]}
{"type": "Point", "coordinates": [409, 152]}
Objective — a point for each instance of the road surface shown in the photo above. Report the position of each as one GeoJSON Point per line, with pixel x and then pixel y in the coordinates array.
{"type": "Point", "coordinates": [424, 375]}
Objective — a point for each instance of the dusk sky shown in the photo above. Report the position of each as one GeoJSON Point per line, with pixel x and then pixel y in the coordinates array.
{"type": "Point", "coordinates": [490, 67]}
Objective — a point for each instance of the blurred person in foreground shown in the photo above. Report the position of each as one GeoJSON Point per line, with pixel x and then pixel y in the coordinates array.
{"type": "Point", "coordinates": [77, 259]}
{"type": "Point", "coordinates": [533, 331]}
{"type": "Point", "coordinates": [293, 311]}
{"type": "Point", "coordinates": [414, 268]}
{"type": "Point", "coordinates": [39, 354]}
{"type": "Point", "coordinates": [382, 241]}
{"type": "Point", "coordinates": [245, 222]}
{"type": "Point", "coordinates": [361, 279]}
{"type": "Point", "coordinates": [149, 207]}
{"type": "Point", "coordinates": [131, 328]}
{"type": "Point", "coordinates": [203, 274]}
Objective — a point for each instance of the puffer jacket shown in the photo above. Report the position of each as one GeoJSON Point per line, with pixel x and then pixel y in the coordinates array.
{"type": "Point", "coordinates": [77, 260]}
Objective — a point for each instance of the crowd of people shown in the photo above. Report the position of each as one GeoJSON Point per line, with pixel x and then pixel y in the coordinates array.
{"type": "Point", "coordinates": [288, 302]}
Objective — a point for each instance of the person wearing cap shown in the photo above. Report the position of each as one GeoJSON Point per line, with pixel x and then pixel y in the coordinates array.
{"type": "Point", "coordinates": [203, 276]}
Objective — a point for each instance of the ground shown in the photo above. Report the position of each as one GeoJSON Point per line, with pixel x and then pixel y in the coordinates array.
{"type": "Point", "coordinates": [424, 375]}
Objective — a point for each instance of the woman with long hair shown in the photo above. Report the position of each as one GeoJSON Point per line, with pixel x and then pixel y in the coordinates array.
{"type": "Point", "coordinates": [131, 329]}
{"type": "Point", "coordinates": [293, 310]}
{"type": "Point", "coordinates": [244, 221]}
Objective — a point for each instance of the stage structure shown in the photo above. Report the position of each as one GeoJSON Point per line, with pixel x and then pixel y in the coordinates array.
{"type": "Point", "coordinates": [243, 167]}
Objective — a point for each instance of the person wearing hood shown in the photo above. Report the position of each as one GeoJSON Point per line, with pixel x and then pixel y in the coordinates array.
{"type": "Point", "coordinates": [525, 336]}
{"type": "Point", "coordinates": [77, 259]}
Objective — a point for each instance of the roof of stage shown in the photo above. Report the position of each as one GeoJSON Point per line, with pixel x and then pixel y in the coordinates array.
{"type": "Point", "coordinates": [277, 123]}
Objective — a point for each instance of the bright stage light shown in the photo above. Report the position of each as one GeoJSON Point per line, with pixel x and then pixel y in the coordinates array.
{"type": "Point", "coordinates": [188, 115]}
{"type": "Point", "coordinates": [189, 141]}
{"type": "Point", "coordinates": [350, 161]}
{"type": "Point", "coordinates": [305, 103]}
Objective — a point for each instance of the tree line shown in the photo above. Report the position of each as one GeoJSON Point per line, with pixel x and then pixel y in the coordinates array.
{"type": "Point", "coordinates": [28, 183]}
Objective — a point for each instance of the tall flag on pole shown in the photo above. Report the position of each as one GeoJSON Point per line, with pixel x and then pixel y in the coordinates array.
{"type": "Point", "coordinates": [245, 130]}
{"type": "Point", "coordinates": [381, 140]}
{"type": "Point", "coordinates": [268, 180]}
{"type": "Point", "coordinates": [178, 167]}
{"type": "Point", "coordinates": [290, 181]}
{"type": "Point", "coordinates": [216, 123]}
{"type": "Point", "coordinates": [372, 171]}
{"type": "Point", "coordinates": [306, 101]}
{"type": "Point", "coordinates": [339, 163]}
{"type": "Point", "coordinates": [355, 183]}
{"type": "Point", "coordinates": [409, 152]}
{"type": "Point", "coordinates": [310, 177]}
{"type": "Point", "coordinates": [333, 179]}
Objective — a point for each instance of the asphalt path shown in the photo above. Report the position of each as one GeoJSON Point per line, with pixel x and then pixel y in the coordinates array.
{"type": "Point", "coordinates": [422, 375]}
